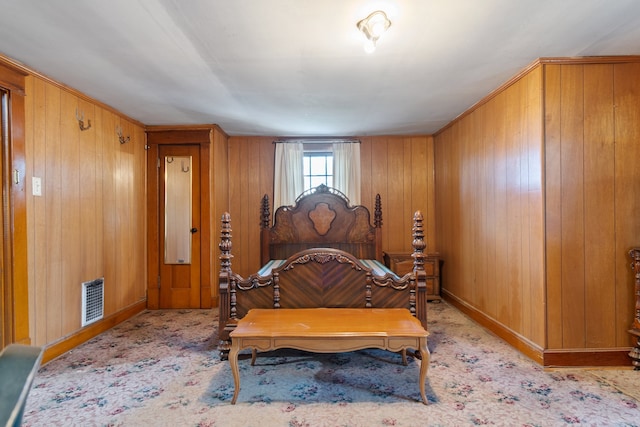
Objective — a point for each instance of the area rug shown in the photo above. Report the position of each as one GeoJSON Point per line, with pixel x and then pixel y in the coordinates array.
{"type": "Point", "coordinates": [162, 368]}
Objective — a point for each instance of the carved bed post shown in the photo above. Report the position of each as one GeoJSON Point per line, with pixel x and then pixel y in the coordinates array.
{"type": "Point", "coordinates": [265, 225]}
{"type": "Point", "coordinates": [224, 285]}
{"type": "Point", "coordinates": [412, 297]}
{"type": "Point", "coordinates": [419, 246]}
{"type": "Point", "coordinates": [635, 327]}
{"type": "Point", "coordinates": [367, 292]}
{"type": "Point", "coordinates": [225, 243]}
{"type": "Point", "coordinates": [276, 290]}
{"type": "Point", "coordinates": [377, 223]}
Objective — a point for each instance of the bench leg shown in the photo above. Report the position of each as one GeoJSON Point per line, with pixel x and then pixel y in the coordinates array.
{"type": "Point", "coordinates": [233, 361]}
{"type": "Point", "coordinates": [424, 367]}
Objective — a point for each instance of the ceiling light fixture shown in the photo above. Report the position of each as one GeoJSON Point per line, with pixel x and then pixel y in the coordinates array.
{"type": "Point", "coordinates": [373, 26]}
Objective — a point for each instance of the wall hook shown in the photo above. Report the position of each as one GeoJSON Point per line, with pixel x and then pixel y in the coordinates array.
{"type": "Point", "coordinates": [121, 138]}
{"type": "Point", "coordinates": [80, 118]}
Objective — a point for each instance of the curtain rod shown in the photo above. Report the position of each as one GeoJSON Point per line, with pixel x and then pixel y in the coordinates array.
{"type": "Point", "coordinates": [318, 140]}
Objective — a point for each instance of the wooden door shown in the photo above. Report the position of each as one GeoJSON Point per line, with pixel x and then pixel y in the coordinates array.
{"type": "Point", "coordinates": [179, 226]}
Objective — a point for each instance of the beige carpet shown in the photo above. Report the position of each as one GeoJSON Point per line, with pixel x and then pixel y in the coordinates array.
{"type": "Point", "coordinates": [162, 368]}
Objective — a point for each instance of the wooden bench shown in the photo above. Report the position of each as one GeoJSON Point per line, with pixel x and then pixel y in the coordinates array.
{"type": "Point", "coordinates": [329, 330]}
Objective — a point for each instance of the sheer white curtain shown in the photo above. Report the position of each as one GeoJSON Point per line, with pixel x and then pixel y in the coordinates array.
{"type": "Point", "coordinates": [346, 170]}
{"type": "Point", "coordinates": [288, 180]}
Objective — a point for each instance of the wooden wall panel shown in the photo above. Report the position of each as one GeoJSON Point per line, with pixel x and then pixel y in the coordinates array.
{"type": "Point", "coordinates": [251, 214]}
{"type": "Point", "coordinates": [89, 211]}
{"type": "Point", "coordinates": [89, 221]}
{"type": "Point", "coordinates": [244, 202]}
{"type": "Point", "coordinates": [470, 187]}
{"type": "Point", "coordinates": [447, 177]}
{"type": "Point", "coordinates": [52, 185]}
{"type": "Point", "coordinates": [366, 193]}
{"type": "Point", "coordinates": [107, 121]}
{"type": "Point", "coordinates": [553, 203]}
{"type": "Point", "coordinates": [137, 198]}
{"type": "Point", "coordinates": [572, 216]}
{"type": "Point", "coordinates": [399, 168]}
{"type": "Point", "coordinates": [533, 126]}
{"type": "Point", "coordinates": [251, 162]}
{"type": "Point", "coordinates": [626, 99]}
{"type": "Point", "coordinates": [375, 173]}
{"type": "Point", "coordinates": [513, 305]}
{"type": "Point", "coordinates": [501, 197]}
{"type": "Point", "coordinates": [591, 200]}
{"type": "Point", "coordinates": [69, 213]}
{"type": "Point", "coordinates": [394, 189]}
{"type": "Point", "coordinates": [599, 202]}
{"type": "Point", "coordinates": [36, 214]}
{"type": "Point", "coordinates": [220, 202]}
{"type": "Point", "coordinates": [490, 211]}
{"type": "Point", "coordinates": [422, 186]}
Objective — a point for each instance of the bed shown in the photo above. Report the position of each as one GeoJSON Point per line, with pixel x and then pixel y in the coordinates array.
{"type": "Point", "coordinates": [319, 252]}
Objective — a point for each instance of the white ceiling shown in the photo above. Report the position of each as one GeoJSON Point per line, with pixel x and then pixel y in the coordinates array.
{"type": "Point", "coordinates": [297, 67]}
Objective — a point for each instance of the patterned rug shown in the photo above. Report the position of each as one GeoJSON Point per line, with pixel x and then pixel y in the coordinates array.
{"type": "Point", "coordinates": [162, 368]}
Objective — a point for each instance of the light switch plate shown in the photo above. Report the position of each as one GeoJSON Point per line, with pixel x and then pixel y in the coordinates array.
{"type": "Point", "coordinates": [36, 185]}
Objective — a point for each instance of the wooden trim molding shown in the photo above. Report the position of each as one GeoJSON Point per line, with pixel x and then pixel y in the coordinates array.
{"type": "Point", "coordinates": [201, 135]}
{"type": "Point", "coordinates": [580, 357]}
{"type": "Point", "coordinates": [532, 66]}
{"type": "Point", "coordinates": [83, 335]}
{"type": "Point", "coordinates": [169, 134]}
{"type": "Point", "coordinates": [547, 358]}
{"type": "Point", "coordinates": [15, 209]}
{"type": "Point", "coordinates": [590, 60]}
{"type": "Point", "coordinates": [512, 338]}
{"type": "Point", "coordinates": [12, 78]}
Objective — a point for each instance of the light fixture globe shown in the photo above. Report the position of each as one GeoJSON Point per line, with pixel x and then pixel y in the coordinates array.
{"type": "Point", "coordinates": [373, 26]}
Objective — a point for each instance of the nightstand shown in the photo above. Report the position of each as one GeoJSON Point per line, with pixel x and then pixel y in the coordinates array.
{"type": "Point", "coordinates": [401, 263]}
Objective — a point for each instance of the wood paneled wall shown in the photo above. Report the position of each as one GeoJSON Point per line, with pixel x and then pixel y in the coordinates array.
{"type": "Point", "coordinates": [90, 220]}
{"type": "Point", "coordinates": [219, 169]}
{"type": "Point", "coordinates": [251, 162]}
{"type": "Point", "coordinates": [490, 208]}
{"type": "Point", "coordinates": [537, 201]}
{"type": "Point", "coordinates": [592, 132]}
{"type": "Point", "coordinates": [399, 168]}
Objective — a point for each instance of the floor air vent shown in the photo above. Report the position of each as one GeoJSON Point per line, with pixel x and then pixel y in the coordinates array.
{"type": "Point", "coordinates": [92, 301]}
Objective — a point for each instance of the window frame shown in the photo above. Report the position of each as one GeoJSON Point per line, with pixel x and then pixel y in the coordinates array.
{"type": "Point", "coordinates": [317, 150]}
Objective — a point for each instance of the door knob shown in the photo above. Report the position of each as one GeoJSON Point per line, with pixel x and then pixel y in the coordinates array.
{"type": "Point", "coordinates": [194, 230]}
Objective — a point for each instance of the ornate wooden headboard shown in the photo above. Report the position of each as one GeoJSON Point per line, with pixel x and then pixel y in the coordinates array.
{"type": "Point", "coordinates": [321, 217]}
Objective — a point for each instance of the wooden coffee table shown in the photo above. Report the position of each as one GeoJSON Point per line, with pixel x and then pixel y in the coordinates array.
{"type": "Point", "coordinates": [329, 330]}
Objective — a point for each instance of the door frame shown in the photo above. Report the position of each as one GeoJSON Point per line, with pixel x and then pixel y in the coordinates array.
{"type": "Point", "coordinates": [175, 275]}
{"type": "Point", "coordinates": [14, 289]}
{"type": "Point", "coordinates": [178, 135]}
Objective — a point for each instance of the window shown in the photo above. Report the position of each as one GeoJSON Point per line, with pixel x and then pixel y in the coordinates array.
{"type": "Point", "coordinates": [318, 169]}
{"type": "Point", "coordinates": [299, 167]}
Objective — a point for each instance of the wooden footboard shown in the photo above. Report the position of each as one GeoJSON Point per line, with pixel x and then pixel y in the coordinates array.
{"type": "Point", "coordinates": [318, 277]}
